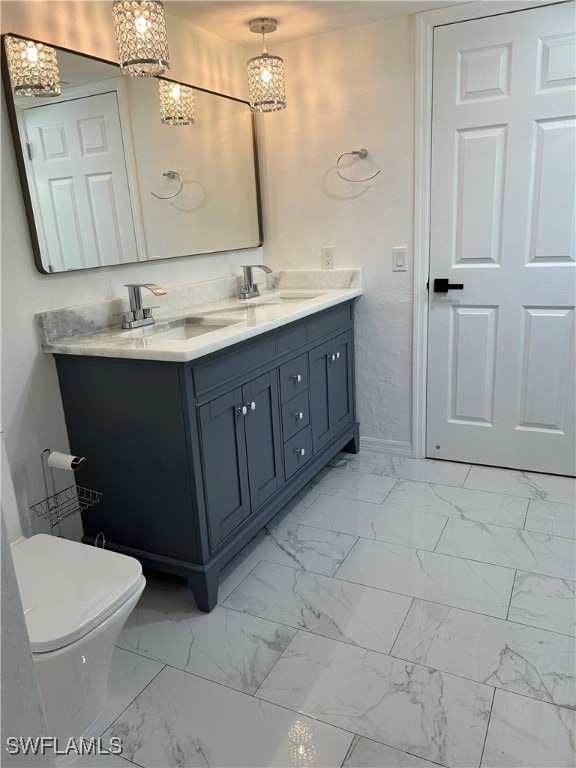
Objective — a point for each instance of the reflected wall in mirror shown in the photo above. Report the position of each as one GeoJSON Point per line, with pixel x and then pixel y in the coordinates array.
{"type": "Point", "coordinates": [106, 182]}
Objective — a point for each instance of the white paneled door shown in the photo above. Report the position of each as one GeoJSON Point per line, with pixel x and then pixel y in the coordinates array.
{"type": "Point", "coordinates": [501, 352]}
{"type": "Point", "coordinates": [81, 184]}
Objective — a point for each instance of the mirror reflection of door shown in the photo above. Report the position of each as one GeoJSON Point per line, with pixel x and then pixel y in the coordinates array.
{"type": "Point", "coordinates": [76, 153]}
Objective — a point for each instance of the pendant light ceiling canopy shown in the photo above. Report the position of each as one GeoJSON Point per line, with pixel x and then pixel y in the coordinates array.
{"type": "Point", "coordinates": [266, 88]}
{"type": "Point", "coordinates": [140, 30]}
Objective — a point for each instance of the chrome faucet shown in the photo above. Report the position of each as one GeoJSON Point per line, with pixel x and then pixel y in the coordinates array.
{"type": "Point", "coordinates": [249, 289]}
{"type": "Point", "coordinates": [138, 315]}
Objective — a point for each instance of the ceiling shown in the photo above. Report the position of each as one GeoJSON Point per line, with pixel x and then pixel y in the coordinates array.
{"type": "Point", "coordinates": [306, 18]}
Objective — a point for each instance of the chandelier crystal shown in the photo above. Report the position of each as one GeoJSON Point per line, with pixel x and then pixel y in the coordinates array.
{"type": "Point", "coordinates": [141, 37]}
{"type": "Point", "coordinates": [33, 67]}
{"type": "Point", "coordinates": [176, 103]}
{"type": "Point", "coordinates": [266, 88]}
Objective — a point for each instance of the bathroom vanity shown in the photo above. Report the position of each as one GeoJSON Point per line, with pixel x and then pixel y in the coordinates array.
{"type": "Point", "coordinates": [199, 431]}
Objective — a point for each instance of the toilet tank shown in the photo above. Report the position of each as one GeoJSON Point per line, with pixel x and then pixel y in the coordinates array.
{"type": "Point", "coordinates": [8, 498]}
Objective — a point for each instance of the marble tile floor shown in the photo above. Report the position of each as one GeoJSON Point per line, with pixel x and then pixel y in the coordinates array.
{"type": "Point", "coordinates": [398, 612]}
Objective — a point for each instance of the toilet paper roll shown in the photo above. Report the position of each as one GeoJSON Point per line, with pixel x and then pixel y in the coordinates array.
{"type": "Point", "coordinates": [65, 461]}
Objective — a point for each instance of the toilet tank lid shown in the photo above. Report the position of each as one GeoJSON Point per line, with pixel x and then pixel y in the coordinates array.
{"type": "Point", "coordinates": [68, 588]}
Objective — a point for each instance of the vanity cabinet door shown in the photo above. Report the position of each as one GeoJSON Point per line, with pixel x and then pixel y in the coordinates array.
{"type": "Point", "coordinates": [241, 454]}
{"type": "Point", "coordinates": [331, 389]}
{"type": "Point", "coordinates": [341, 382]}
{"type": "Point", "coordinates": [262, 432]}
{"type": "Point", "coordinates": [319, 397]}
{"type": "Point", "coordinates": [224, 465]}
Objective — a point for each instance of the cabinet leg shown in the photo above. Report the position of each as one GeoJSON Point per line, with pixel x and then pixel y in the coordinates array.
{"type": "Point", "coordinates": [353, 446]}
{"type": "Point", "coordinates": [204, 587]}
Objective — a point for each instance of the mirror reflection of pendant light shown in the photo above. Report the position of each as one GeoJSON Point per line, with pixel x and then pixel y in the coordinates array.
{"type": "Point", "coordinates": [176, 103]}
{"type": "Point", "coordinates": [33, 67]}
{"type": "Point", "coordinates": [266, 89]}
{"type": "Point", "coordinates": [141, 37]}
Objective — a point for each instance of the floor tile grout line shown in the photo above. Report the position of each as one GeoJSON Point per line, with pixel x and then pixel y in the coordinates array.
{"type": "Point", "coordinates": [467, 475]}
{"type": "Point", "coordinates": [460, 557]}
{"type": "Point", "coordinates": [401, 626]}
{"type": "Point", "coordinates": [441, 534]}
{"type": "Point", "coordinates": [512, 594]}
{"type": "Point", "coordinates": [397, 594]}
{"type": "Point", "coordinates": [487, 728]}
{"type": "Point", "coordinates": [569, 707]}
{"type": "Point", "coordinates": [235, 690]}
{"type": "Point", "coordinates": [350, 748]}
{"type": "Point", "coordinates": [342, 642]}
{"type": "Point", "coordinates": [218, 602]}
{"type": "Point", "coordinates": [276, 662]}
{"type": "Point", "coordinates": [391, 746]}
{"type": "Point", "coordinates": [400, 511]}
{"type": "Point", "coordinates": [137, 695]}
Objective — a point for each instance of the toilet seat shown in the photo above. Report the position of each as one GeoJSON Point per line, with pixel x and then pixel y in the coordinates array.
{"type": "Point", "coordinates": [68, 588]}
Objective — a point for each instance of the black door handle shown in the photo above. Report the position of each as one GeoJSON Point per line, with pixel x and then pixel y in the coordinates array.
{"type": "Point", "coordinates": [441, 285]}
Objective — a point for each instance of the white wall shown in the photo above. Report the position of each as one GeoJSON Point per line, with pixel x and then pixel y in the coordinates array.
{"type": "Point", "coordinates": [348, 90]}
{"type": "Point", "coordinates": [31, 406]}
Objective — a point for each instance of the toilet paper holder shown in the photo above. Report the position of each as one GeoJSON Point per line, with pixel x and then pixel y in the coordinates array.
{"type": "Point", "coordinates": [56, 506]}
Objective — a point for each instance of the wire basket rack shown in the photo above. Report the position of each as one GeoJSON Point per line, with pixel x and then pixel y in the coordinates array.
{"type": "Point", "coordinates": [59, 505]}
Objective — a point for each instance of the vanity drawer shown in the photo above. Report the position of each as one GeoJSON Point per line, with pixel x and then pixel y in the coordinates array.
{"type": "Point", "coordinates": [295, 415]}
{"type": "Point", "coordinates": [293, 377]}
{"type": "Point", "coordinates": [297, 452]}
{"type": "Point", "coordinates": [295, 338]}
{"type": "Point", "coordinates": [329, 321]}
{"type": "Point", "coordinates": [227, 367]}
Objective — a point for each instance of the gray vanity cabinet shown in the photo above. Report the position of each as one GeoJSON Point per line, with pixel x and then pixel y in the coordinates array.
{"type": "Point", "coordinates": [193, 459]}
{"type": "Point", "coordinates": [240, 453]}
{"type": "Point", "coordinates": [331, 389]}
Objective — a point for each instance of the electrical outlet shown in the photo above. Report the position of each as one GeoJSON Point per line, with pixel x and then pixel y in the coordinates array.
{"type": "Point", "coordinates": [327, 257]}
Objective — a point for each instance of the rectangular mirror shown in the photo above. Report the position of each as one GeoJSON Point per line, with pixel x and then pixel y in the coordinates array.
{"type": "Point", "coordinates": [106, 182]}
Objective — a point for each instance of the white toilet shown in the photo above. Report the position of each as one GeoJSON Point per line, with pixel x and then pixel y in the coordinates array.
{"type": "Point", "coordinates": [76, 599]}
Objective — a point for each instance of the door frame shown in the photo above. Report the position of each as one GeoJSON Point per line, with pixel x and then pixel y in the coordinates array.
{"type": "Point", "coordinates": [423, 66]}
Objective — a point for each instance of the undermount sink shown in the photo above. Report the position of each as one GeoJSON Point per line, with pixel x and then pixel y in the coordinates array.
{"type": "Point", "coordinates": [189, 328]}
{"type": "Point", "coordinates": [285, 297]}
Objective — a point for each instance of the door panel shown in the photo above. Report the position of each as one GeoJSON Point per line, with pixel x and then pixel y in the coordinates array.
{"type": "Point", "coordinates": [341, 392]}
{"type": "Point", "coordinates": [545, 369]}
{"type": "Point", "coordinates": [319, 397]}
{"type": "Point", "coordinates": [473, 335]}
{"type": "Point", "coordinates": [480, 176]}
{"type": "Point", "coordinates": [224, 462]}
{"type": "Point", "coordinates": [501, 381]}
{"type": "Point", "coordinates": [262, 427]}
{"type": "Point", "coordinates": [552, 231]}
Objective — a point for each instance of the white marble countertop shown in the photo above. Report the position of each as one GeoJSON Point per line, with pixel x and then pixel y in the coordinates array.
{"type": "Point", "coordinates": [291, 295]}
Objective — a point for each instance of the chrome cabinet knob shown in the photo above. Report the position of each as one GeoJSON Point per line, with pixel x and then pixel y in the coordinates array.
{"type": "Point", "coordinates": [333, 358]}
{"type": "Point", "coordinates": [301, 451]}
{"type": "Point", "coordinates": [297, 378]}
{"type": "Point", "coordinates": [243, 410]}
{"type": "Point", "coordinates": [299, 415]}
{"type": "Point", "coordinates": [337, 355]}
{"type": "Point", "coordinates": [252, 406]}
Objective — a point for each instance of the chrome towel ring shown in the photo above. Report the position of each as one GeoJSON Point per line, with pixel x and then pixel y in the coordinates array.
{"type": "Point", "coordinates": [171, 175]}
{"type": "Point", "coordinates": [362, 153]}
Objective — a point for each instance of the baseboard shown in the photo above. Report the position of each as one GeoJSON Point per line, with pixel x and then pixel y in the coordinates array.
{"type": "Point", "coordinates": [397, 447]}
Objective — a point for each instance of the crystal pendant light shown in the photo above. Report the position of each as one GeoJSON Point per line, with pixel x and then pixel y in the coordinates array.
{"type": "Point", "coordinates": [266, 90]}
{"type": "Point", "coordinates": [141, 37]}
{"type": "Point", "coordinates": [33, 67]}
{"type": "Point", "coordinates": [176, 103]}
